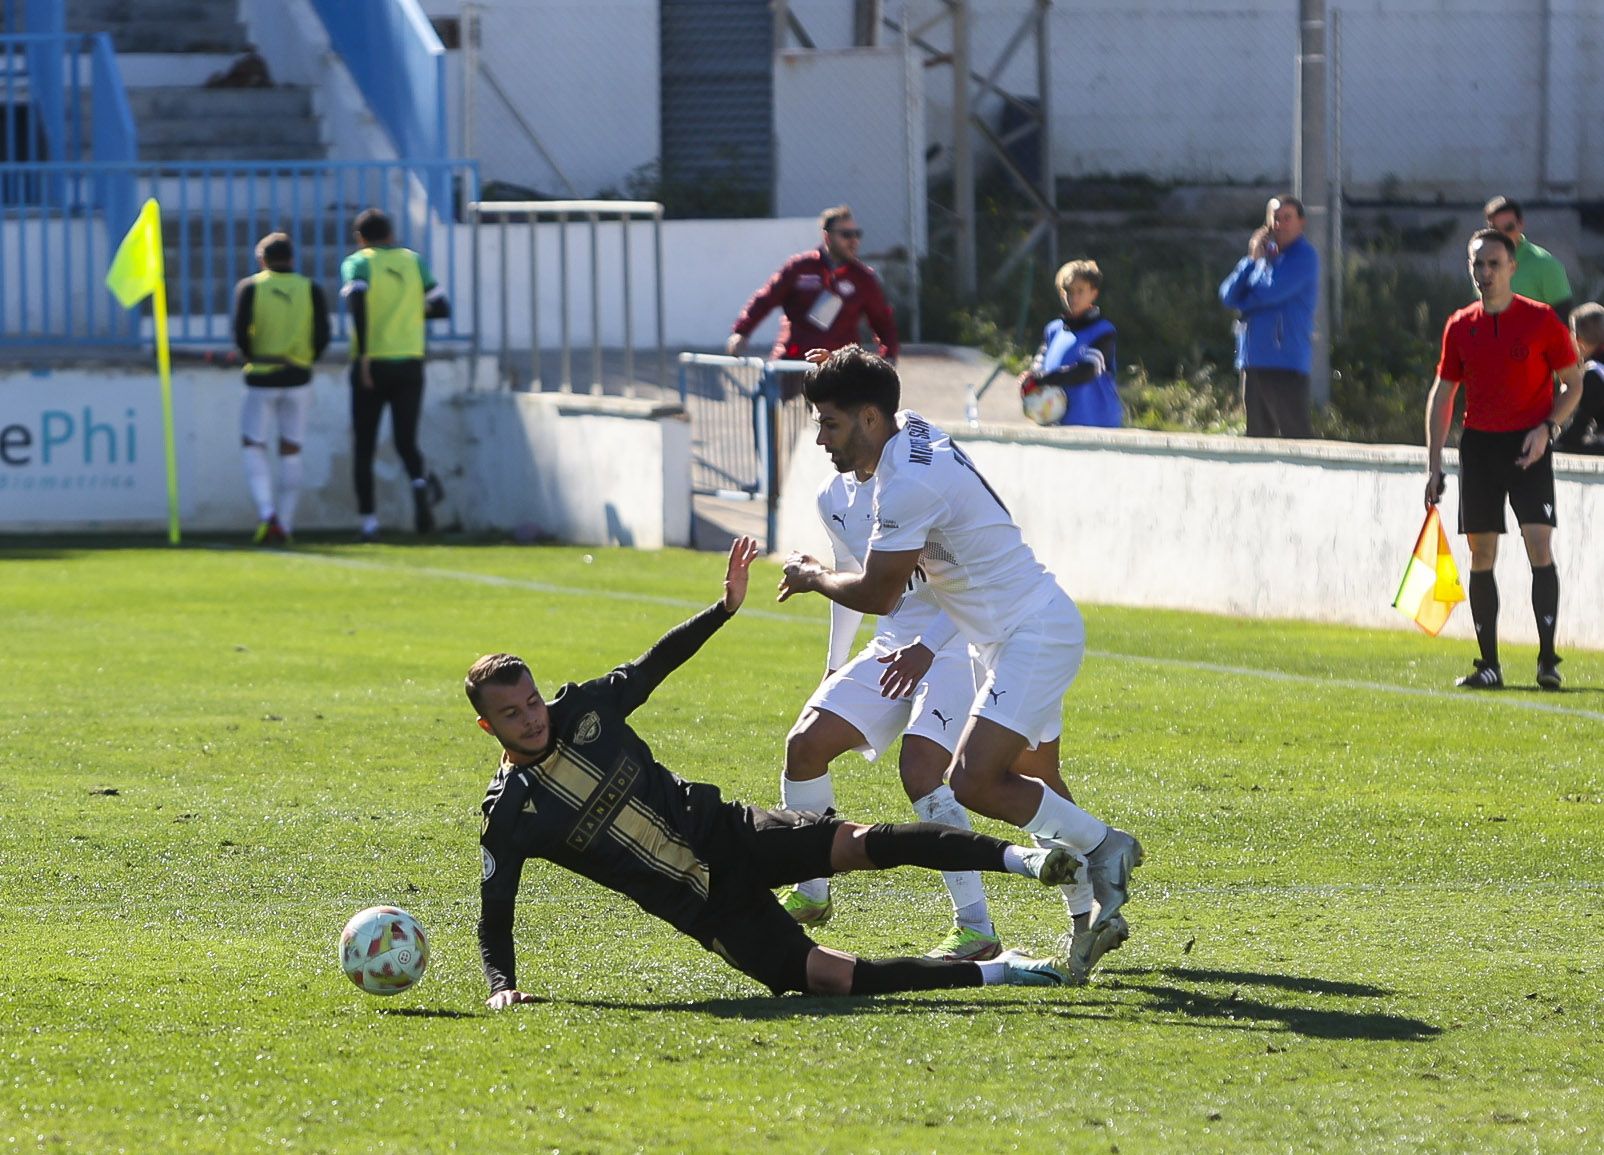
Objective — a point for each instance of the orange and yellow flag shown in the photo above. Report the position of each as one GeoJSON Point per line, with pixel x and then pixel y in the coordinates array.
{"type": "Point", "coordinates": [1430, 588]}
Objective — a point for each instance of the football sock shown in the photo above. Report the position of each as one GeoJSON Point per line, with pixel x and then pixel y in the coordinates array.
{"type": "Point", "coordinates": [259, 476]}
{"type": "Point", "coordinates": [1484, 612]}
{"type": "Point", "coordinates": [1078, 894]}
{"type": "Point", "coordinates": [290, 472]}
{"type": "Point", "coordinates": [816, 795]}
{"type": "Point", "coordinates": [929, 844]}
{"type": "Point", "coordinates": [968, 895]}
{"type": "Point", "coordinates": [890, 975]}
{"type": "Point", "coordinates": [992, 972]}
{"type": "Point", "coordinates": [1065, 823]}
{"type": "Point", "coordinates": [1545, 604]}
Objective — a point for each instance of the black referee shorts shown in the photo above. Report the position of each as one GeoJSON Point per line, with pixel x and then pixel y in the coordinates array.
{"type": "Point", "coordinates": [1488, 477]}
{"type": "Point", "coordinates": [743, 923]}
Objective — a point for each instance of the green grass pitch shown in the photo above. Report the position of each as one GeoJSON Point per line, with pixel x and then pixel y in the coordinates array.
{"type": "Point", "coordinates": [1371, 919]}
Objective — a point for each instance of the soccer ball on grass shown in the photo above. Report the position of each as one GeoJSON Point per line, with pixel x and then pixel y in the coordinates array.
{"type": "Point", "coordinates": [383, 950]}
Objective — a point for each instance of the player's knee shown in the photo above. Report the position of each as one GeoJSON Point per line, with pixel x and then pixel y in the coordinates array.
{"type": "Point", "coordinates": [247, 443]}
{"type": "Point", "coordinates": [968, 787]}
{"type": "Point", "coordinates": [288, 448]}
{"type": "Point", "coordinates": [804, 750]}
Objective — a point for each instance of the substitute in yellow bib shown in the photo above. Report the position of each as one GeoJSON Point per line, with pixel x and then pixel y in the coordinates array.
{"type": "Point", "coordinates": [281, 325]}
{"type": "Point", "coordinates": [390, 293]}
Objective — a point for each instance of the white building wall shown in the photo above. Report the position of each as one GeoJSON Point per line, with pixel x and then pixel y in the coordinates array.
{"type": "Point", "coordinates": [1258, 529]}
{"type": "Point", "coordinates": [81, 448]}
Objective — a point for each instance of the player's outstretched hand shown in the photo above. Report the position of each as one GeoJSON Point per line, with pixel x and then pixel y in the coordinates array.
{"type": "Point", "coordinates": [501, 1000]}
{"type": "Point", "coordinates": [816, 356]}
{"type": "Point", "coordinates": [742, 552]}
{"type": "Point", "coordinates": [800, 570]}
{"type": "Point", "coordinates": [904, 670]}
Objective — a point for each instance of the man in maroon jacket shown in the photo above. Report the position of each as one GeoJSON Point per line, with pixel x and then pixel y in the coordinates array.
{"type": "Point", "coordinates": [823, 292]}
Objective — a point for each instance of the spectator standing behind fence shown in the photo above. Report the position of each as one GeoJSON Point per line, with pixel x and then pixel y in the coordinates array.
{"type": "Point", "coordinates": [823, 294]}
{"type": "Point", "coordinates": [1587, 423]}
{"type": "Point", "coordinates": [1071, 381]}
{"type": "Point", "coordinates": [390, 293]}
{"type": "Point", "coordinates": [1274, 289]}
{"type": "Point", "coordinates": [1539, 275]}
{"type": "Point", "coordinates": [281, 325]}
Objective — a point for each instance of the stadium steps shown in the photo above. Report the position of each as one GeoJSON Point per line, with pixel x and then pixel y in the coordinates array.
{"type": "Point", "coordinates": [162, 25]}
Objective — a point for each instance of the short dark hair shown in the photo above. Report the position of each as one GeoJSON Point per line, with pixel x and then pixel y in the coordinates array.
{"type": "Point", "coordinates": [1501, 204]}
{"type": "Point", "coordinates": [1288, 199]}
{"type": "Point", "coordinates": [1587, 322]}
{"type": "Point", "coordinates": [275, 249]}
{"type": "Point", "coordinates": [1491, 235]}
{"type": "Point", "coordinates": [493, 669]}
{"type": "Point", "coordinates": [831, 217]}
{"type": "Point", "coordinates": [373, 225]}
{"type": "Point", "coordinates": [852, 378]}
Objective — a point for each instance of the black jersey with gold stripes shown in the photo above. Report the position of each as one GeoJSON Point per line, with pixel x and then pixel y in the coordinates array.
{"type": "Point", "coordinates": [600, 804]}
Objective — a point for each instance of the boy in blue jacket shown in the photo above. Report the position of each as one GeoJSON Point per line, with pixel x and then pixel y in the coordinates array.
{"type": "Point", "coordinates": [1071, 381]}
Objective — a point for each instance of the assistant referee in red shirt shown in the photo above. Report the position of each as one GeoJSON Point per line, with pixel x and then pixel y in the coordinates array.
{"type": "Point", "coordinates": [1506, 351]}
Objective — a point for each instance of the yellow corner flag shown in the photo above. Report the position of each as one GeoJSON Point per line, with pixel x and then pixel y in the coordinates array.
{"type": "Point", "coordinates": [1430, 588]}
{"type": "Point", "coordinates": [136, 273]}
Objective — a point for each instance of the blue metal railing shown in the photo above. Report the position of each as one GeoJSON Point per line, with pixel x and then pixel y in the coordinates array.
{"type": "Point", "coordinates": [54, 252]}
{"type": "Point", "coordinates": [400, 65]}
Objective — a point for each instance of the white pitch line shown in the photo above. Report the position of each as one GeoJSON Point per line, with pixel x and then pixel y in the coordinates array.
{"type": "Point", "coordinates": [1466, 698]}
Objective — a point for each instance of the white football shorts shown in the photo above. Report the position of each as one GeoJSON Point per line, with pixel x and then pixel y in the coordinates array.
{"type": "Point", "coordinates": [287, 404]}
{"type": "Point", "coordinates": [1024, 677]}
{"type": "Point", "coordinates": [938, 708]}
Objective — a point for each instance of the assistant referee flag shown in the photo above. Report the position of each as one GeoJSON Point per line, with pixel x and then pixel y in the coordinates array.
{"type": "Point", "coordinates": [1430, 588]}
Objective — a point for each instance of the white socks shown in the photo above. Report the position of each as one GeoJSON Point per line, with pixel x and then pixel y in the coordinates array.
{"type": "Point", "coordinates": [817, 795]}
{"type": "Point", "coordinates": [1065, 823]}
{"type": "Point", "coordinates": [259, 476]}
{"type": "Point", "coordinates": [968, 895]}
{"type": "Point", "coordinates": [290, 471]}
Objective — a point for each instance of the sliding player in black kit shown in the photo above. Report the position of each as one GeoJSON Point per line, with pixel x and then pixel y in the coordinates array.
{"type": "Point", "coordinates": [578, 787]}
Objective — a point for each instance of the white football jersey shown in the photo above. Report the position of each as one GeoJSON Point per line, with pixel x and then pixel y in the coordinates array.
{"type": "Point", "coordinates": [846, 508]}
{"type": "Point", "coordinates": [928, 495]}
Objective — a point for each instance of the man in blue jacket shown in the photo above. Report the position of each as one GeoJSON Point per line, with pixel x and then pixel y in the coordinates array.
{"type": "Point", "coordinates": [1273, 290]}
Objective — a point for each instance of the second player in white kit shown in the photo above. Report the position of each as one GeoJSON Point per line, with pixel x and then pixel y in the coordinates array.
{"type": "Point", "coordinates": [863, 705]}
{"type": "Point", "coordinates": [935, 515]}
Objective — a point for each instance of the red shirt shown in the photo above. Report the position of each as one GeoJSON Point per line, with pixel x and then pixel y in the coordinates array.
{"type": "Point", "coordinates": [1506, 362]}
{"type": "Point", "coordinates": [797, 288]}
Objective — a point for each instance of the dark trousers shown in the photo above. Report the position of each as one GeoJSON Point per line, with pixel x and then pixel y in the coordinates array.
{"type": "Point", "coordinates": [1277, 403]}
{"type": "Point", "coordinates": [398, 384]}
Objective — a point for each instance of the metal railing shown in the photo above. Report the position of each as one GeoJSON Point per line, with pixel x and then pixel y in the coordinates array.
{"type": "Point", "coordinates": [743, 427]}
{"type": "Point", "coordinates": [54, 252]}
{"type": "Point", "coordinates": [521, 257]}
{"type": "Point", "coordinates": [398, 62]}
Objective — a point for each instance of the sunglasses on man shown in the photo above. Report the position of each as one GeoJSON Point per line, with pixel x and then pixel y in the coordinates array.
{"type": "Point", "coordinates": [849, 234]}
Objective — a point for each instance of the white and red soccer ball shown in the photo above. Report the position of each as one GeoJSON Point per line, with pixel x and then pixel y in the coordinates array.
{"type": "Point", "coordinates": [383, 950]}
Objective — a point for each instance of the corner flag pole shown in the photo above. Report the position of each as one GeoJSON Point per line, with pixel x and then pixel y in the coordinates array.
{"type": "Point", "coordinates": [137, 272]}
{"type": "Point", "coordinates": [164, 369]}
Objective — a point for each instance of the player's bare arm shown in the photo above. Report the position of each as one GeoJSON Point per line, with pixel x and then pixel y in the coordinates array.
{"type": "Point", "coordinates": [1439, 415]}
{"type": "Point", "coordinates": [1565, 401]}
{"type": "Point", "coordinates": [876, 590]}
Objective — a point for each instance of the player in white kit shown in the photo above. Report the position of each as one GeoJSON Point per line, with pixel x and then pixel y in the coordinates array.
{"type": "Point", "coordinates": [935, 514]}
{"type": "Point", "coordinates": [863, 705]}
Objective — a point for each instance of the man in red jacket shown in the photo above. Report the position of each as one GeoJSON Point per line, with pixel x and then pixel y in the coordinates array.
{"type": "Point", "coordinates": [823, 293]}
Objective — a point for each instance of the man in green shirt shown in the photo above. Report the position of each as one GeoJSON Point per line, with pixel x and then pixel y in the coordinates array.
{"type": "Point", "coordinates": [281, 325]}
{"type": "Point", "coordinates": [390, 293]}
{"type": "Point", "coordinates": [1538, 273]}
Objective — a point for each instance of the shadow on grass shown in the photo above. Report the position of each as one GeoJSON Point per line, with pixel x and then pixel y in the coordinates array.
{"type": "Point", "coordinates": [1233, 1010]}
{"type": "Point", "coordinates": [428, 1013]}
{"type": "Point", "coordinates": [1238, 1010]}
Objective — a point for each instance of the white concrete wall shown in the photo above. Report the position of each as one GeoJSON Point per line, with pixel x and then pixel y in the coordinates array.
{"type": "Point", "coordinates": [81, 448]}
{"type": "Point", "coordinates": [1258, 529]}
{"type": "Point", "coordinates": [849, 127]}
